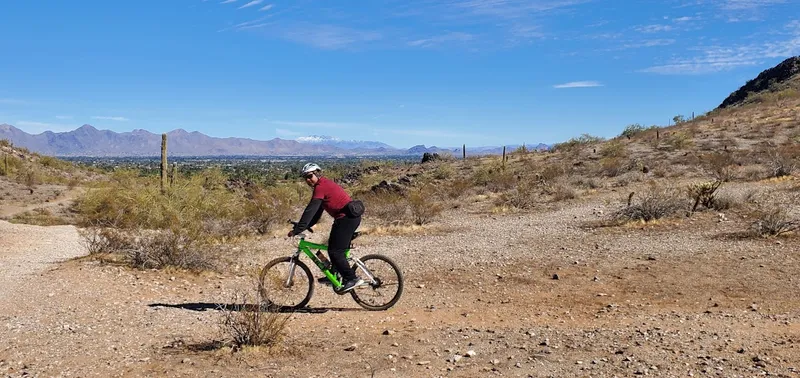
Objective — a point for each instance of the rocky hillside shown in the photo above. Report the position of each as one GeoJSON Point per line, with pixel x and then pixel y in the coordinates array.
{"type": "Point", "coordinates": [781, 77]}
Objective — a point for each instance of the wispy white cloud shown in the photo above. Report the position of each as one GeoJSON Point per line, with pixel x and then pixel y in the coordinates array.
{"type": "Point", "coordinates": [40, 127]}
{"type": "Point", "coordinates": [252, 3]}
{"type": "Point", "coordinates": [108, 118]}
{"type": "Point", "coordinates": [428, 133]}
{"type": "Point", "coordinates": [285, 133]}
{"type": "Point", "coordinates": [266, 7]}
{"type": "Point", "coordinates": [747, 4]}
{"type": "Point", "coordinates": [653, 28]}
{"type": "Point", "coordinates": [228, 1]}
{"type": "Point", "coordinates": [685, 19]}
{"type": "Point", "coordinates": [329, 37]}
{"type": "Point", "coordinates": [579, 84]}
{"type": "Point", "coordinates": [330, 125]}
{"type": "Point", "coordinates": [440, 39]}
{"type": "Point", "coordinates": [721, 58]}
{"type": "Point", "coordinates": [64, 117]}
{"type": "Point", "coordinates": [12, 101]}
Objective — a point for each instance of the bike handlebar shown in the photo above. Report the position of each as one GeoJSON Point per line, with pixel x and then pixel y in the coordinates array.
{"type": "Point", "coordinates": [295, 224]}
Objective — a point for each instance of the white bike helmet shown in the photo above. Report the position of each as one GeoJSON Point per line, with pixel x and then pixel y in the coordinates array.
{"type": "Point", "coordinates": [309, 168]}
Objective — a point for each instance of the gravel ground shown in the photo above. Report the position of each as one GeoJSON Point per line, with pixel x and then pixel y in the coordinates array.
{"type": "Point", "coordinates": [539, 293]}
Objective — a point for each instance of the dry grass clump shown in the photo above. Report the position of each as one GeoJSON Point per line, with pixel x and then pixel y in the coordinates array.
{"type": "Point", "coordinates": [722, 165]}
{"type": "Point", "coordinates": [417, 205]}
{"type": "Point", "coordinates": [523, 196]}
{"type": "Point", "coordinates": [424, 204]}
{"type": "Point", "coordinates": [773, 220]}
{"type": "Point", "coordinates": [655, 203]}
{"type": "Point", "coordinates": [248, 325]}
{"type": "Point", "coordinates": [39, 217]}
{"type": "Point", "coordinates": [494, 177]}
{"type": "Point", "coordinates": [153, 249]}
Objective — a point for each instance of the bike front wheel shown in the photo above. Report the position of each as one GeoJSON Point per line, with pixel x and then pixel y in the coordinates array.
{"type": "Point", "coordinates": [285, 284]}
{"type": "Point", "coordinates": [381, 291]}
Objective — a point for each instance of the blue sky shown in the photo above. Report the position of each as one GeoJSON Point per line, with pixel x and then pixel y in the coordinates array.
{"type": "Point", "coordinates": [433, 72]}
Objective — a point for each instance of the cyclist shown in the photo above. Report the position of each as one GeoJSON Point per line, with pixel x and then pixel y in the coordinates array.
{"type": "Point", "coordinates": [346, 214]}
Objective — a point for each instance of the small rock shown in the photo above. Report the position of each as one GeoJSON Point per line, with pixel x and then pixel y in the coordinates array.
{"type": "Point", "coordinates": [185, 361]}
{"type": "Point", "coordinates": [351, 348]}
{"type": "Point", "coordinates": [388, 332]}
{"type": "Point", "coordinates": [555, 276]}
{"type": "Point", "coordinates": [423, 362]}
{"type": "Point", "coordinates": [470, 353]}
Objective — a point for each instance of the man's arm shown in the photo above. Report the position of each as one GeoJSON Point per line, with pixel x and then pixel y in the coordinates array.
{"type": "Point", "coordinates": [309, 217]}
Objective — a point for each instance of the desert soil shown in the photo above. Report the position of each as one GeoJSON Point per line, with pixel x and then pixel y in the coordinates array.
{"type": "Point", "coordinates": [683, 297]}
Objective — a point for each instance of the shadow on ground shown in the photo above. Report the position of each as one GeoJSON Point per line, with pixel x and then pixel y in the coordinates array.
{"type": "Point", "coordinates": [204, 306]}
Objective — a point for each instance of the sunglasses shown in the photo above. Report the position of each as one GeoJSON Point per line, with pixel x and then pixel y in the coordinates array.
{"type": "Point", "coordinates": [308, 176]}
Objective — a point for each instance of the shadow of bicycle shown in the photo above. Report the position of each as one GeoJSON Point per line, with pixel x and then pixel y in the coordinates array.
{"type": "Point", "coordinates": [204, 306]}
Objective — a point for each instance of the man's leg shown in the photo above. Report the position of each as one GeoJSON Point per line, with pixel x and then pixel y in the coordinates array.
{"type": "Point", "coordinates": [339, 241]}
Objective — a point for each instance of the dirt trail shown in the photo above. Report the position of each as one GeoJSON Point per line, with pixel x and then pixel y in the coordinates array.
{"type": "Point", "coordinates": [27, 250]}
{"type": "Point", "coordinates": [9, 211]}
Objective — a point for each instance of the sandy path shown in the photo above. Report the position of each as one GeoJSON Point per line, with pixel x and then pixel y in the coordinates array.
{"type": "Point", "coordinates": [27, 250]}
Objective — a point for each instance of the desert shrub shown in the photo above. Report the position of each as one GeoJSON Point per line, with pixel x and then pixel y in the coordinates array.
{"type": "Point", "coordinates": [782, 160]}
{"type": "Point", "coordinates": [424, 205]}
{"type": "Point", "coordinates": [613, 166]}
{"type": "Point", "coordinates": [679, 140]}
{"type": "Point", "coordinates": [494, 178]}
{"type": "Point", "coordinates": [201, 206]}
{"type": "Point", "coordinates": [269, 207]}
{"type": "Point", "coordinates": [39, 217]}
{"type": "Point", "coordinates": [588, 182]}
{"type": "Point", "coordinates": [722, 165]}
{"type": "Point", "coordinates": [753, 172]}
{"type": "Point", "coordinates": [161, 249]}
{"type": "Point", "coordinates": [523, 196]}
{"type": "Point", "coordinates": [583, 140]}
{"type": "Point", "coordinates": [249, 325]}
{"type": "Point", "coordinates": [105, 240]}
{"type": "Point", "coordinates": [632, 130]}
{"type": "Point", "coordinates": [772, 220]}
{"type": "Point", "coordinates": [9, 164]}
{"type": "Point", "coordinates": [563, 191]}
{"type": "Point", "coordinates": [551, 172]}
{"type": "Point", "coordinates": [655, 203]}
{"type": "Point", "coordinates": [5, 143]}
{"type": "Point", "coordinates": [444, 171]}
{"type": "Point", "coordinates": [614, 149]}
{"type": "Point", "coordinates": [388, 207]}
{"type": "Point", "coordinates": [703, 194]}
{"type": "Point", "coordinates": [457, 187]}
{"type": "Point", "coordinates": [28, 175]}
{"type": "Point", "coordinates": [726, 201]}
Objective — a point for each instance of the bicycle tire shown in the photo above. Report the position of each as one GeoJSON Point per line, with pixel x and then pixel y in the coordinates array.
{"type": "Point", "coordinates": [398, 275]}
{"type": "Point", "coordinates": [265, 294]}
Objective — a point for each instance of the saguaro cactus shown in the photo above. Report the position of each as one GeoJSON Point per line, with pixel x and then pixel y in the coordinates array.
{"type": "Point", "coordinates": [504, 157]}
{"type": "Point", "coordinates": [463, 151]}
{"type": "Point", "coordinates": [173, 174]}
{"type": "Point", "coordinates": [163, 162]}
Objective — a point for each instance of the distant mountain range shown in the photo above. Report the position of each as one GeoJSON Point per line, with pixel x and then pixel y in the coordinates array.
{"type": "Point", "coordinates": [89, 141]}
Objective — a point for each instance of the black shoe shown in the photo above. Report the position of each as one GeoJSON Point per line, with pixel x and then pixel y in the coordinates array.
{"type": "Point", "coordinates": [324, 280]}
{"type": "Point", "coordinates": [350, 285]}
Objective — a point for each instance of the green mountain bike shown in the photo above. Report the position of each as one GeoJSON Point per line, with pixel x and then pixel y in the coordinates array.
{"type": "Point", "coordinates": [286, 283]}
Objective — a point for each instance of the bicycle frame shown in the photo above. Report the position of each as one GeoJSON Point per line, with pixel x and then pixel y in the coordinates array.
{"type": "Point", "coordinates": [306, 247]}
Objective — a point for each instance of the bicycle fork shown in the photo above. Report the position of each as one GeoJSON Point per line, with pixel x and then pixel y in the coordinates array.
{"type": "Point", "coordinates": [290, 280]}
{"type": "Point", "coordinates": [370, 277]}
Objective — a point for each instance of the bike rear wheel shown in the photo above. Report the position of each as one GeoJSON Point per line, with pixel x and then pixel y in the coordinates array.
{"type": "Point", "coordinates": [384, 290]}
{"type": "Point", "coordinates": [283, 290]}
